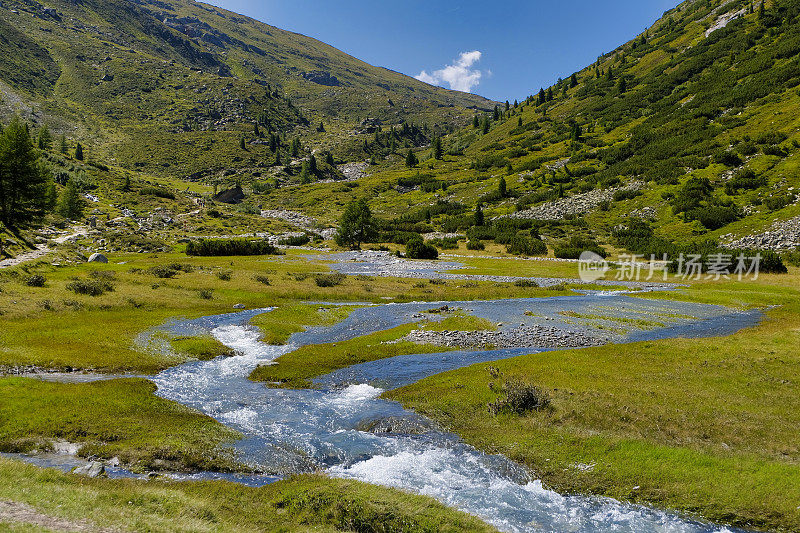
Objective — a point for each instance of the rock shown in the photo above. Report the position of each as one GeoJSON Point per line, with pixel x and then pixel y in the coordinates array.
{"type": "Point", "coordinates": [93, 469]}
{"type": "Point", "coordinates": [97, 258]}
{"type": "Point", "coordinates": [239, 306]}
{"type": "Point", "coordinates": [398, 425]}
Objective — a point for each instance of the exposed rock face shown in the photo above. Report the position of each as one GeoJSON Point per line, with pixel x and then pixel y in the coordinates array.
{"type": "Point", "coordinates": [322, 78]}
{"type": "Point", "coordinates": [783, 235]}
{"type": "Point", "coordinates": [230, 196]}
{"type": "Point", "coordinates": [520, 337]}
{"type": "Point", "coordinates": [574, 205]}
{"type": "Point", "coordinates": [98, 258]}
{"type": "Point", "coordinates": [353, 171]}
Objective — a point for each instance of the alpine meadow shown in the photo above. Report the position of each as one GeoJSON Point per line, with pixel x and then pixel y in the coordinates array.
{"type": "Point", "coordinates": [249, 282]}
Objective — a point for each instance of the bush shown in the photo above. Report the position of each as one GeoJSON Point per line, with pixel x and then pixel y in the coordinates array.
{"type": "Point", "coordinates": [520, 398]}
{"type": "Point", "coordinates": [793, 258]}
{"type": "Point", "coordinates": [448, 243]}
{"type": "Point", "coordinates": [525, 283]}
{"type": "Point", "coordinates": [744, 180]}
{"type": "Point", "coordinates": [776, 203]}
{"type": "Point", "coordinates": [264, 280]}
{"type": "Point", "coordinates": [224, 275]}
{"type": "Point", "coordinates": [329, 280]}
{"type": "Point", "coordinates": [229, 247]}
{"type": "Point", "coordinates": [573, 248]}
{"type": "Point", "coordinates": [524, 245]}
{"type": "Point", "coordinates": [475, 245]}
{"type": "Point", "coordinates": [295, 240]}
{"type": "Point", "coordinates": [90, 287]}
{"type": "Point", "coordinates": [158, 192]}
{"type": "Point", "coordinates": [417, 248]}
{"type": "Point", "coordinates": [36, 280]}
{"type": "Point", "coordinates": [206, 294]}
{"type": "Point", "coordinates": [626, 194]}
{"type": "Point", "coordinates": [714, 216]}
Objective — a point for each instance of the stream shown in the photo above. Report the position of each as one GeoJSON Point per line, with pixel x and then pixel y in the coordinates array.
{"type": "Point", "coordinates": [290, 431]}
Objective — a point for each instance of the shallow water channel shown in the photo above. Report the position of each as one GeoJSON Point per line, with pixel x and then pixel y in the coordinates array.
{"type": "Point", "coordinates": [303, 430]}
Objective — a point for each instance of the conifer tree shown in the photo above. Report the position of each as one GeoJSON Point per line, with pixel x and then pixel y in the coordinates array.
{"type": "Point", "coordinates": [312, 164]}
{"type": "Point", "coordinates": [479, 219]}
{"type": "Point", "coordinates": [622, 85]}
{"type": "Point", "coordinates": [329, 159]}
{"type": "Point", "coordinates": [508, 106]}
{"type": "Point", "coordinates": [24, 180]}
{"type": "Point", "coordinates": [486, 125]}
{"type": "Point", "coordinates": [79, 152]}
{"type": "Point", "coordinates": [550, 94]}
{"type": "Point", "coordinates": [411, 159]}
{"type": "Point", "coordinates": [438, 151]}
{"type": "Point", "coordinates": [45, 138]}
{"type": "Point", "coordinates": [573, 81]}
{"type": "Point", "coordinates": [70, 204]}
{"type": "Point", "coordinates": [242, 143]}
{"type": "Point", "coordinates": [502, 188]}
{"type": "Point", "coordinates": [63, 147]}
{"type": "Point", "coordinates": [496, 115]}
{"type": "Point", "coordinates": [256, 130]}
{"type": "Point", "coordinates": [542, 97]}
{"type": "Point", "coordinates": [475, 122]}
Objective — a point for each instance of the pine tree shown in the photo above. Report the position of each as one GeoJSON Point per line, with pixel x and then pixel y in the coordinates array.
{"type": "Point", "coordinates": [573, 81]}
{"type": "Point", "coordinates": [321, 128]}
{"type": "Point", "coordinates": [273, 142]}
{"type": "Point", "coordinates": [550, 94]}
{"type": "Point", "coordinates": [411, 159]}
{"type": "Point", "coordinates": [475, 122]}
{"type": "Point", "coordinates": [24, 180]}
{"type": "Point", "coordinates": [296, 147]}
{"type": "Point", "coordinates": [542, 97]}
{"type": "Point", "coordinates": [312, 164]}
{"type": "Point", "coordinates": [79, 152]}
{"type": "Point", "coordinates": [242, 143]}
{"type": "Point", "coordinates": [486, 125]}
{"type": "Point", "coordinates": [519, 122]}
{"type": "Point", "coordinates": [356, 225]}
{"type": "Point", "coordinates": [45, 138]}
{"type": "Point", "coordinates": [496, 115]}
{"type": "Point", "coordinates": [256, 131]}
{"type": "Point", "coordinates": [438, 151]}
{"type": "Point", "coordinates": [479, 219]}
{"type": "Point", "coordinates": [508, 106]}
{"type": "Point", "coordinates": [329, 159]}
{"type": "Point", "coordinates": [762, 9]}
{"type": "Point", "coordinates": [63, 147]}
{"type": "Point", "coordinates": [127, 185]}
{"type": "Point", "coordinates": [70, 204]}
{"type": "Point", "coordinates": [502, 188]}
{"type": "Point", "coordinates": [622, 85]}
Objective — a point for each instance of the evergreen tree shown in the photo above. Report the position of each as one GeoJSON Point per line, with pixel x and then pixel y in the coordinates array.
{"type": "Point", "coordinates": [475, 122]}
{"type": "Point", "coordinates": [519, 122]}
{"type": "Point", "coordinates": [295, 147]}
{"type": "Point", "coordinates": [277, 162]}
{"type": "Point", "coordinates": [496, 115]}
{"type": "Point", "coordinates": [312, 164]}
{"type": "Point", "coordinates": [273, 142]}
{"type": "Point", "coordinates": [762, 9]}
{"type": "Point", "coordinates": [356, 225]}
{"type": "Point", "coordinates": [502, 188]}
{"type": "Point", "coordinates": [573, 81]}
{"type": "Point", "coordinates": [411, 159]}
{"type": "Point", "coordinates": [508, 106]}
{"type": "Point", "coordinates": [550, 94]}
{"type": "Point", "coordinates": [329, 159]}
{"type": "Point", "coordinates": [516, 104]}
{"type": "Point", "coordinates": [321, 128]}
{"type": "Point", "coordinates": [79, 152]}
{"type": "Point", "coordinates": [542, 97]}
{"type": "Point", "coordinates": [45, 138]}
{"type": "Point", "coordinates": [622, 85]}
{"type": "Point", "coordinates": [256, 130]}
{"type": "Point", "coordinates": [479, 219]}
{"type": "Point", "coordinates": [70, 204]}
{"type": "Point", "coordinates": [23, 179]}
{"type": "Point", "coordinates": [242, 143]}
{"type": "Point", "coordinates": [486, 125]}
{"type": "Point", "coordinates": [438, 151]}
{"type": "Point", "coordinates": [305, 173]}
{"type": "Point", "coordinates": [63, 147]}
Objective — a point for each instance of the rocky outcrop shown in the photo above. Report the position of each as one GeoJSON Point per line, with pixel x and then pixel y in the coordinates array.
{"type": "Point", "coordinates": [322, 78]}
{"type": "Point", "coordinates": [574, 205]}
{"type": "Point", "coordinates": [783, 235]}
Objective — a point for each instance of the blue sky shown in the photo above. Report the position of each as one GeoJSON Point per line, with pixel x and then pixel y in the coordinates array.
{"type": "Point", "coordinates": [523, 44]}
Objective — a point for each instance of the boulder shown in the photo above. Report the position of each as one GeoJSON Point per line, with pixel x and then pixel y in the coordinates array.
{"type": "Point", "coordinates": [239, 306]}
{"type": "Point", "coordinates": [93, 469]}
{"type": "Point", "coordinates": [98, 258]}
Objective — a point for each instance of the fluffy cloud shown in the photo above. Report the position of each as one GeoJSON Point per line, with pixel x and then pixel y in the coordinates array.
{"type": "Point", "coordinates": [460, 75]}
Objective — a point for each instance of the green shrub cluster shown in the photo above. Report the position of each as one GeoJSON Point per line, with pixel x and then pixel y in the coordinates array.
{"type": "Point", "coordinates": [229, 247]}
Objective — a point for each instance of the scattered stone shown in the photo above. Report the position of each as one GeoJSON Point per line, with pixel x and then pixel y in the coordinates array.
{"type": "Point", "coordinates": [520, 337]}
{"type": "Point", "coordinates": [239, 306]}
{"type": "Point", "coordinates": [783, 235]}
{"type": "Point", "coordinates": [93, 469]}
{"type": "Point", "coordinates": [574, 205]}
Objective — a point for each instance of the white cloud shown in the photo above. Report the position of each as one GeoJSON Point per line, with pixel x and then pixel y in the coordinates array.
{"type": "Point", "coordinates": [460, 76]}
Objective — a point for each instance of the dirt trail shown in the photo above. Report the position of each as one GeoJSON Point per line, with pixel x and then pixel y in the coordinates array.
{"type": "Point", "coordinates": [42, 249]}
{"type": "Point", "coordinates": [21, 513]}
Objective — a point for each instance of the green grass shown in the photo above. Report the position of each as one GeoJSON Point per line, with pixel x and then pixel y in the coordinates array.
{"type": "Point", "coordinates": [201, 347]}
{"type": "Point", "coordinates": [297, 368]}
{"type": "Point", "coordinates": [278, 325]}
{"type": "Point", "coordinates": [121, 418]}
{"type": "Point", "coordinates": [302, 503]}
{"type": "Point", "coordinates": [706, 426]}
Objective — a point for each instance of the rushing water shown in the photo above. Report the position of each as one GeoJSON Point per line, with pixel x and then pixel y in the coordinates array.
{"type": "Point", "coordinates": [303, 430]}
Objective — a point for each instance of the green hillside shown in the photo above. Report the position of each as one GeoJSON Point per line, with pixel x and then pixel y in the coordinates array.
{"type": "Point", "coordinates": [691, 127]}
{"type": "Point", "coordinates": [171, 88]}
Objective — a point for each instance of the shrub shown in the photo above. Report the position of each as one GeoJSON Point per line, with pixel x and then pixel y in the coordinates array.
{"type": "Point", "coordinates": [575, 246]}
{"type": "Point", "coordinates": [36, 280]}
{"type": "Point", "coordinates": [295, 240]}
{"type": "Point", "coordinates": [157, 192]}
{"type": "Point", "coordinates": [206, 294]}
{"type": "Point", "coordinates": [224, 275]}
{"type": "Point", "coordinates": [524, 245]}
{"type": "Point", "coordinates": [229, 247]}
{"type": "Point", "coordinates": [475, 245]}
{"type": "Point", "coordinates": [90, 287]}
{"type": "Point", "coordinates": [520, 398]}
{"type": "Point", "coordinates": [714, 216]}
{"type": "Point", "coordinates": [448, 243]}
{"type": "Point", "coordinates": [776, 203]}
{"type": "Point", "coordinates": [417, 248]}
{"type": "Point", "coordinates": [744, 179]}
{"type": "Point", "coordinates": [329, 280]}
{"type": "Point", "coordinates": [626, 194]}
{"type": "Point", "coordinates": [525, 283]}
{"type": "Point", "coordinates": [262, 279]}
{"type": "Point", "coordinates": [793, 258]}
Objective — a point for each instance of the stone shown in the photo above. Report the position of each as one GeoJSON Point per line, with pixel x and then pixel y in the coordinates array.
{"type": "Point", "coordinates": [239, 306]}
{"type": "Point", "coordinates": [93, 469]}
{"type": "Point", "coordinates": [97, 258]}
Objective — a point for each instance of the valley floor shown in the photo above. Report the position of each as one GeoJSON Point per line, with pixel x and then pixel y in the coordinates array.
{"type": "Point", "coordinates": [704, 426]}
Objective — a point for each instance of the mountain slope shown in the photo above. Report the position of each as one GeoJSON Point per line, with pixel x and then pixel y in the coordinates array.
{"type": "Point", "coordinates": [170, 87]}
